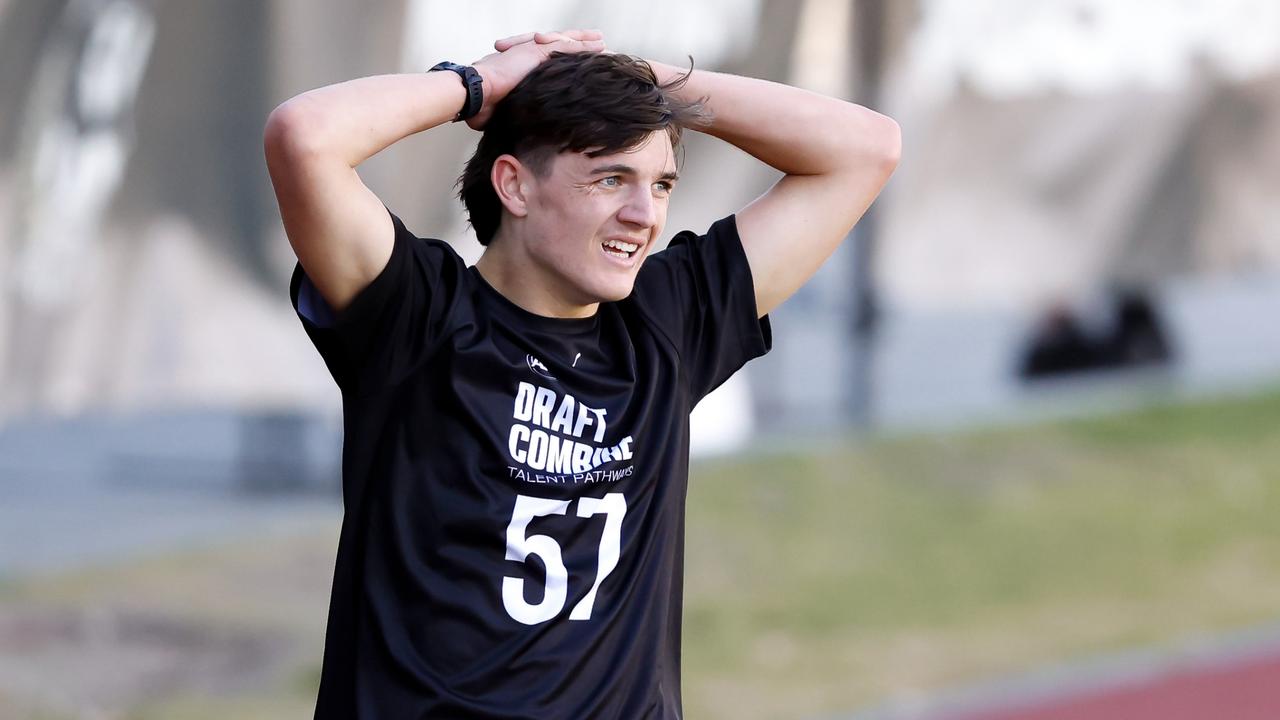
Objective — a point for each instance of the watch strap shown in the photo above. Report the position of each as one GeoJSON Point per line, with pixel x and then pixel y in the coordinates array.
{"type": "Point", "coordinates": [473, 83]}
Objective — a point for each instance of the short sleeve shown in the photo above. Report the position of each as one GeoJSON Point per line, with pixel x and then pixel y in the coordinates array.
{"type": "Point", "coordinates": [394, 324]}
{"type": "Point", "coordinates": [700, 293]}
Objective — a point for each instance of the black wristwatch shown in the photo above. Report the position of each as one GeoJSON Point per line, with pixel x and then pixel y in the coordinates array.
{"type": "Point", "coordinates": [472, 80]}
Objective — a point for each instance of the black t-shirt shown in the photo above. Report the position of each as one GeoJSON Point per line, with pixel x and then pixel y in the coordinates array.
{"type": "Point", "coordinates": [514, 485]}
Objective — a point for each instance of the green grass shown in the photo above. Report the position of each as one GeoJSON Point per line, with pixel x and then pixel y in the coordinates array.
{"type": "Point", "coordinates": [829, 580]}
{"type": "Point", "coordinates": [824, 581]}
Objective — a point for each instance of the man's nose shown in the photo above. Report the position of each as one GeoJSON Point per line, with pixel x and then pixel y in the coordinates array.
{"type": "Point", "coordinates": [640, 209]}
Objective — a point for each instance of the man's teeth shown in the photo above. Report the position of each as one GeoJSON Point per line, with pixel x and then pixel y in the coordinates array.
{"type": "Point", "coordinates": [625, 247]}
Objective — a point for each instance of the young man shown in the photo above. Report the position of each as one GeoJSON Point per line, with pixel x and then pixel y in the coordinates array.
{"type": "Point", "coordinates": [516, 438]}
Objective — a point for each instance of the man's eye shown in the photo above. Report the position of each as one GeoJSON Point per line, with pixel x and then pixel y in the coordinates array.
{"type": "Point", "coordinates": [611, 181]}
{"type": "Point", "coordinates": [664, 186]}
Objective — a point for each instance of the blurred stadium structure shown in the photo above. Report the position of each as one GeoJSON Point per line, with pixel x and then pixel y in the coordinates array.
{"type": "Point", "coordinates": [1063, 160]}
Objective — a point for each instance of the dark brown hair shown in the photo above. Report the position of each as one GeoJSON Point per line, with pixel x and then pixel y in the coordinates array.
{"type": "Point", "coordinates": [595, 103]}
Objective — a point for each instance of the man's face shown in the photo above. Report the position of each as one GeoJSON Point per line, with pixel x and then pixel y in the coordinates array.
{"type": "Point", "coordinates": [594, 220]}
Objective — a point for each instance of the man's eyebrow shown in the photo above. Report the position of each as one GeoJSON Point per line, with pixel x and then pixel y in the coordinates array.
{"type": "Point", "coordinates": [623, 169]}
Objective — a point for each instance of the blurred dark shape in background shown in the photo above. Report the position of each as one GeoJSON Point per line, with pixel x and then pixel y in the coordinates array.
{"type": "Point", "coordinates": [1125, 333]}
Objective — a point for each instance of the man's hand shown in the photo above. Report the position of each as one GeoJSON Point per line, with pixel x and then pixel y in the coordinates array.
{"type": "Point", "coordinates": [519, 54]}
{"type": "Point", "coordinates": [836, 157]}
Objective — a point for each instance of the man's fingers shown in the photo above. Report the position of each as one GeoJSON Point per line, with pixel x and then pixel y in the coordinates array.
{"type": "Point", "coordinates": [549, 37]}
{"type": "Point", "coordinates": [583, 34]}
{"type": "Point", "coordinates": [576, 34]}
{"type": "Point", "coordinates": [568, 41]}
{"type": "Point", "coordinates": [507, 42]}
{"type": "Point", "coordinates": [573, 46]}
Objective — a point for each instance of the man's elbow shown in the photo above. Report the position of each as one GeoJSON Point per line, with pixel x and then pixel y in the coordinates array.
{"type": "Point", "coordinates": [883, 144]}
{"type": "Point", "coordinates": [291, 132]}
{"type": "Point", "coordinates": [891, 145]}
{"type": "Point", "coordinates": [866, 141]}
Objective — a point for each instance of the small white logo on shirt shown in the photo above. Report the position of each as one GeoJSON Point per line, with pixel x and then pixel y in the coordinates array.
{"type": "Point", "coordinates": [536, 365]}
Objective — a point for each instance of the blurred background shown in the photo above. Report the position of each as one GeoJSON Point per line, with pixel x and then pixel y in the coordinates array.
{"type": "Point", "coordinates": [1016, 446]}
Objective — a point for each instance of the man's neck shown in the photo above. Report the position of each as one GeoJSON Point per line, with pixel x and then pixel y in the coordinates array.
{"type": "Point", "coordinates": [519, 279]}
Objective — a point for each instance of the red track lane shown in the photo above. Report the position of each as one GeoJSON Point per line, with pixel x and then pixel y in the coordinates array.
{"type": "Point", "coordinates": [1237, 690]}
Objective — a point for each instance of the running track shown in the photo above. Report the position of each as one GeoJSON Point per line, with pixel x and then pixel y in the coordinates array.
{"type": "Point", "coordinates": [1242, 690]}
{"type": "Point", "coordinates": [1235, 677]}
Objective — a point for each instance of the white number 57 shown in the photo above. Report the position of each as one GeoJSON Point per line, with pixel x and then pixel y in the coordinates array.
{"type": "Point", "coordinates": [521, 546]}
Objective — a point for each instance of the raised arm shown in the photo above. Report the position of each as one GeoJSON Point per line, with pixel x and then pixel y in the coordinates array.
{"type": "Point", "coordinates": [836, 156]}
{"type": "Point", "coordinates": [338, 228]}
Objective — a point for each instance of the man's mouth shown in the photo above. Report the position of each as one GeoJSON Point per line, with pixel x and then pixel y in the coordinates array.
{"type": "Point", "coordinates": [620, 248]}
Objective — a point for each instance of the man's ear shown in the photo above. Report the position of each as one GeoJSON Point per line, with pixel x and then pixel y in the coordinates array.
{"type": "Point", "coordinates": [510, 181]}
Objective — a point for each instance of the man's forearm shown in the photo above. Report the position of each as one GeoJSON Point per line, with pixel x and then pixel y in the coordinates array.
{"type": "Point", "coordinates": [355, 120]}
{"type": "Point", "coordinates": [795, 131]}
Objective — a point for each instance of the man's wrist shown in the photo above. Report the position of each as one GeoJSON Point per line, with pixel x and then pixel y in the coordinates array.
{"type": "Point", "coordinates": [472, 82]}
{"type": "Point", "coordinates": [493, 90]}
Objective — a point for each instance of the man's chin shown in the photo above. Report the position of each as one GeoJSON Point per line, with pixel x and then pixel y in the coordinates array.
{"type": "Point", "coordinates": [614, 293]}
